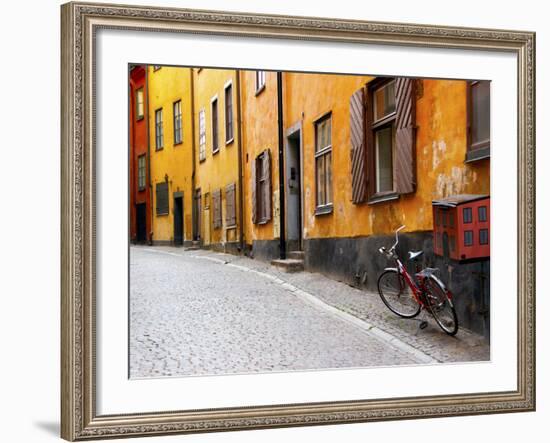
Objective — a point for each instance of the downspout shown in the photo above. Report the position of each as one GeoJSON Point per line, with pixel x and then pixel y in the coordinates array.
{"type": "Point", "coordinates": [282, 240]}
{"type": "Point", "coordinates": [193, 215]}
{"type": "Point", "coordinates": [149, 157]}
{"type": "Point", "coordinates": [240, 153]}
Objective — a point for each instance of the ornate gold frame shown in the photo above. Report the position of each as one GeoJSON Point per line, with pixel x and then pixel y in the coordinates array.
{"type": "Point", "coordinates": [79, 420]}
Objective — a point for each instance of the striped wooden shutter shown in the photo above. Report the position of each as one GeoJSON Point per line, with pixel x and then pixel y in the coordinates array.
{"type": "Point", "coordinates": [358, 148]}
{"type": "Point", "coordinates": [230, 216]}
{"type": "Point", "coordinates": [405, 161]}
{"type": "Point", "coordinates": [253, 191]}
{"type": "Point", "coordinates": [216, 200]}
{"type": "Point", "coordinates": [266, 198]}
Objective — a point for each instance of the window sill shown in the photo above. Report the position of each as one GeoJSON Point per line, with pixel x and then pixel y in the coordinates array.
{"type": "Point", "coordinates": [324, 210]}
{"type": "Point", "coordinates": [229, 142]}
{"type": "Point", "coordinates": [141, 189]}
{"type": "Point", "coordinates": [159, 149]}
{"type": "Point", "coordinates": [140, 118]}
{"type": "Point", "coordinates": [231, 227]}
{"type": "Point", "coordinates": [478, 154]}
{"type": "Point", "coordinates": [216, 151]}
{"type": "Point", "coordinates": [178, 143]}
{"type": "Point", "coordinates": [260, 90]}
{"type": "Point", "coordinates": [263, 222]}
{"type": "Point", "coordinates": [202, 160]}
{"type": "Point", "coordinates": [383, 197]}
{"type": "Point", "coordinates": [164, 213]}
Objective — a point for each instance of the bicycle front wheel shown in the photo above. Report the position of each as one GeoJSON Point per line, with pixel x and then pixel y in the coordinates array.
{"type": "Point", "coordinates": [441, 306]}
{"type": "Point", "coordinates": [397, 295]}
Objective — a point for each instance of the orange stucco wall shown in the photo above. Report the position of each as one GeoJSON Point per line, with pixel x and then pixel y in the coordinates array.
{"type": "Point", "coordinates": [441, 150]}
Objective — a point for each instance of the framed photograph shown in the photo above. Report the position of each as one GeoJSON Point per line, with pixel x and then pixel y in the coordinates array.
{"type": "Point", "coordinates": [275, 221]}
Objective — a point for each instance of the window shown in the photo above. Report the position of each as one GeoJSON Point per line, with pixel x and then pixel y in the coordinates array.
{"type": "Point", "coordinates": [202, 135]}
{"type": "Point", "coordinates": [162, 198]}
{"type": "Point", "coordinates": [141, 172]}
{"type": "Point", "coordinates": [260, 81]}
{"type": "Point", "coordinates": [323, 164]}
{"type": "Point", "coordinates": [479, 112]}
{"type": "Point", "coordinates": [178, 128]}
{"type": "Point", "coordinates": [390, 138]}
{"type": "Point", "coordinates": [483, 236]}
{"type": "Point", "coordinates": [261, 190]}
{"type": "Point", "coordinates": [383, 125]}
{"type": "Point", "coordinates": [467, 215]}
{"type": "Point", "coordinates": [482, 213]}
{"type": "Point", "coordinates": [229, 114]}
{"type": "Point", "coordinates": [215, 144]}
{"type": "Point", "coordinates": [468, 238]}
{"type": "Point", "coordinates": [159, 130]}
{"type": "Point", "coordinates": [139, 104]}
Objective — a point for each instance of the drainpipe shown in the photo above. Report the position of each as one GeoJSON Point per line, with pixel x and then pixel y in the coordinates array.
{"type": "Point", "coordinates": [282, 240]}
{"type": "Point", "coordinates": [240, 154]}
{"type": "Point", "coordinates": [149, 198]}
{"type": "Point", "coordinates": [193, 215]}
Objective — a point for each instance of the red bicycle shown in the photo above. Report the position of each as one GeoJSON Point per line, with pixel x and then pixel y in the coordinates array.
{"type": "Point", "coordinates": [406, 296]}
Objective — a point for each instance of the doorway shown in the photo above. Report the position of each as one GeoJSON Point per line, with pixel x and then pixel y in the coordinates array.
{"type": "Point", "coordinates": [294, 190]}
{"type": "Point", "coordinates": [197, 215]}
{"type": "Point", "coordinates": [141, 221]}
{"type": "Point", "coordinates": [178, 218]}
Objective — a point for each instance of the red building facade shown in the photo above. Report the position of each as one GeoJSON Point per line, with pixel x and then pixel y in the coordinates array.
{"type": "Point", "coordinates": [139, 171]}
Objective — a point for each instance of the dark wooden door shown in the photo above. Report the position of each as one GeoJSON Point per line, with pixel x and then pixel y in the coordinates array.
{"type": "Point", "coordinates": [197, 215]}
{"type": "Point", "coordinates": [141, 217]}
{"type": "Point", "coordinates": [178, 220]}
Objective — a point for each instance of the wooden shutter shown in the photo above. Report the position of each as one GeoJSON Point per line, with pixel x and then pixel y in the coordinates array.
{"type": "Point", "coordinates": [266, 197]}
{"type": "Point", "coordinates": [230, 215]}
{"type": "Point", "coordinates": [253, 196]}
{"type": "Point", "coordinates": [358, 147]}
{"type": "Point", "coordinates": [405, 161]}
{"type": "Point", "coordinates": [217, 216]}
{"type": "Point", "coordinates": [162, 198]}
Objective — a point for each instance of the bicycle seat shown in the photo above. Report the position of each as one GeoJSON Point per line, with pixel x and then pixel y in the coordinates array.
{"type": "Point", "coordinates": [413, 255]}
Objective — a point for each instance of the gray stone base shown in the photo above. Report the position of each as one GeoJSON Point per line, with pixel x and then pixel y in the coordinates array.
{"type": "Point", "coordinates": [356, 261]}
{"type": "Point", "coordinates": [228, 248]}
{"type": "Point", "coordinates": [265, 250]}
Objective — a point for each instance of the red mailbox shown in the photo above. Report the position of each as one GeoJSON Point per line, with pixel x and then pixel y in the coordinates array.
{"type": "Point", "coordinates": [462, 227]}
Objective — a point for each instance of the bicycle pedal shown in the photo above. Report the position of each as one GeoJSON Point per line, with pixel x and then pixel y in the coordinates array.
{"type": "Point", "coordinates": [423, 324]}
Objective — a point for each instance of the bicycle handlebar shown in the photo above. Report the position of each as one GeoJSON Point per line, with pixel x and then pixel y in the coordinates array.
{"type": "Point", "coordinates": [392, 249]}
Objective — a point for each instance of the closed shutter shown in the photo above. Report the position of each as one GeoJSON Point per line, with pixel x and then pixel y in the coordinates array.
{"type": "Point", "coordinates": [266, 197]}
{"type": "Point", "coordinates": [253, 192]}
{"type": "Point", "coordinates": [405, 161]}
{"type": "Point", "coordinates": [358, 147]}
{"type": "Point", "coordinates": [230, 216]}
{"type": "Point", "coordinates": [162, 198]}
{"type": "Point", "coordinates": [217, 216]}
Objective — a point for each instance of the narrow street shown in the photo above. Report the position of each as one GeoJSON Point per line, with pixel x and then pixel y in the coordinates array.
{"type": "Point", "coordinates": [204, 313]}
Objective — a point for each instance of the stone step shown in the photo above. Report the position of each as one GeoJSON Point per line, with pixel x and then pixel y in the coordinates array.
{"type": "Point", "coordinates": [195, 246]}
{"type": "Point", "coordinates": [296, 255]}
{"type": "Point", "coordinates": [289, 265]}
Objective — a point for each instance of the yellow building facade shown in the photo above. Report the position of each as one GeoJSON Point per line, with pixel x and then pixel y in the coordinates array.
{"type": "Point", "coordinates": [217, 185]}
{"type": "Point", "coordinates": [171, 153]}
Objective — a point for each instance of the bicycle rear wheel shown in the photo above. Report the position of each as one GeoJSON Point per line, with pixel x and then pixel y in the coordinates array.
{"type": "Point", "coordinates": [397, 295]}
{"type": "Point", "coordinates": [441, 306]}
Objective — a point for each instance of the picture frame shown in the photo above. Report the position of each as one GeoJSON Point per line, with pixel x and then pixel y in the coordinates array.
{"type": "Point", "coordinates": [79, 417]}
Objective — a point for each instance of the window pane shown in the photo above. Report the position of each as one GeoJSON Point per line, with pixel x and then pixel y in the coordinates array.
{"type": "Point", "coordinates": [482, 213]}
{"type": "Point", "coordinates": [480, 112]}
{"type": "Point", "coordinates": [384, 173]}
{"type": "Point", "coordinates": [483, 236]}
{"type": "Point", "coordinates": [384, 101]}
{"type": "Point", "coordinates": [328, 177]}
{"type": "Point", "coordinates": [320, 164]}
{"type": "Point", "coordinates": [467, 215]}
{"type": "Point", "coordinates": [468, 238]}
{"type": "Point", "coordinates": [323, 134]}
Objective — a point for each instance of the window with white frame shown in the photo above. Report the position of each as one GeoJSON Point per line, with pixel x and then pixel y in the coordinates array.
{"type": "Point", "coordinates": [178, 128]}
{"type": "Point", "coordinates": [323, 162]}
{"type": "Point", "coordinates": [202, 135]}
{"type": "Point", "coordinates": [141, 172]}
{"type": "Point", "coordinates": [215, 140]}
{"type": "Point", "coordinates": [159, 129]}
{"type": "Point", "coordinates": [383, 127]}
{"type": "Point", "coordinates": [228, 113]}
{"type": "Point", "coordinates": [140, 109]}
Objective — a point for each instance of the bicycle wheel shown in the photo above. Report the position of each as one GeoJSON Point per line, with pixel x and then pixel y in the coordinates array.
{"type": "Point", "coordinates": [441, 306]}
{"type": "Point", "coordinates": [397, 295]}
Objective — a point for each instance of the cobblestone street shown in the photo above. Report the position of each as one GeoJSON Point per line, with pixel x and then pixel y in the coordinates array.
{"type": "Point", "coordinates": [201, 313]}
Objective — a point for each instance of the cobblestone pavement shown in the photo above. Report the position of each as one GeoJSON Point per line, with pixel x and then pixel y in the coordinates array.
{"type": "Point", "coordinates": [200, 312]}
